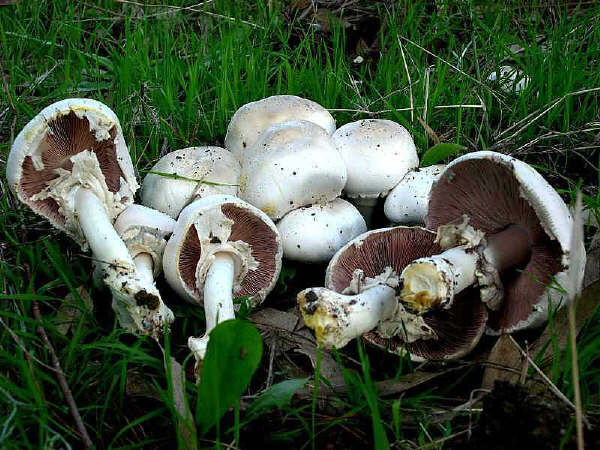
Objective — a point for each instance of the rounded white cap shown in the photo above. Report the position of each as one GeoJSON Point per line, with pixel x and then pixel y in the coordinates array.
{"type": "Point", "coordinates": [510, 79]}
{"type": "Point", "coordinates": [203, 171]}
{"type": "Point", "coordinates": [313, 234]}
{"type": "Point", "coordinates": [29, 162]}
{"type": "Point", "coordinates": [294, 164]}
{"type": "Point", "coordinates": [377, 153]}
{"type": "Point", "coordinates": [223, 224]}
{"type": "Point", "coordinates": [145, 230]}
{"type": "Point", "coordinates": [251, 120]}
{"type": "Point", "coordinates": [407, 202]}
{"type": "Point", "coordinates": [501, 182]}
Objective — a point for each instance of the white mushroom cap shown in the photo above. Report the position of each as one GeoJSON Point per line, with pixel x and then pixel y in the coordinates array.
{"type": "Point", "coordinates": [223, 224]}
{"type": "Point", "coordinates": [218, 169]}
{"type": "Point", "coordinates": [97, 158]}
{"type": "Point", "coordinates": [377, 153]}
{"type": "Point", "coordinates": [251, 120]}
{"type": "Point", "coordinates": [510, 79]}
{"type": "Point", "coordinates": [145, 230]}
{"type": "Point", "coordinates": [313, 234]}
{"type": "Point", "coordinates": [501, 190]}
{"type": "Point", "coordinates": [294, 164]}
{"type": "Point", "coordinates": [407, 202]}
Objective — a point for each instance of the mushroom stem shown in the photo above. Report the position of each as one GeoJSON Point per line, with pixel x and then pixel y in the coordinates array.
{"type": "Point", "coordinates": [338, 318]}
{"type": "Point", "coordinates": [218, 299]}
{"type": "Point", "coordinates": [436, 280]}
{"type": "Point", "coordinates": [144, 266]}
{"type": "Point", "coordinates": [136, 300]}
{"type": "Point", "coordinates": [366, 207]}
{"type": "Point", "coordinates": [99, 232]}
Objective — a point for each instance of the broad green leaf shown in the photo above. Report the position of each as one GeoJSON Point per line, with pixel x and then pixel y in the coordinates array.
{"type": "Point", "coordinates": [277, 396]}
{"type": "Point", "coordinates": [439, 153]}
{"type": "Point", "coordinates": [233, 354]}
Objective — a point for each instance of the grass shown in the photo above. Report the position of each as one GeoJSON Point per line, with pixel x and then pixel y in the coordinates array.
{"type": "Point", "coordinates": [175, 76]}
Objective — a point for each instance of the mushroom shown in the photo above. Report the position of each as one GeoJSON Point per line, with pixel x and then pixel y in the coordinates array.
{"type": "Point", "coordinates": [251, 120]}
{"type": "Point", "coordinates": [145, 232]}
{"type": "Point", "coordinates": [503, 229]}
{"type": "Point", "coordinates": [407, 202]}
{"type": "Point", "coordinates": [70, 165]}
{"type": "Point", "coordinates": [361, 299]}
{"type": "Point", "coordinates": [313, 234]}
{"type": "Point", "coordinates": [377, 153]}
{"type": "Point", "coordinates": [221, 247]}
{"type": "Point", "coordinates": [511, 79]}
{"type": "Point", "coordinates": [184, 175]}
{"type": "Point", "coordinates": [293, 164]}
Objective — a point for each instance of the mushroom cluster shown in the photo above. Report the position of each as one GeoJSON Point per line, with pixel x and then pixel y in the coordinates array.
{"type": "Point", "coordinates": [501, 246]}
{"type": "Point", "coordinates": [292, 170]}
{"type": "Point", "coordinates": [479, 245]}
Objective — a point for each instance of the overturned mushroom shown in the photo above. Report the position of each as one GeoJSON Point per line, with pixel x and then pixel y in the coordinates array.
{"type": "Point", "coordinates": [221, 247]}
{"type": "Point", "coordinates": [184, 175]}
{"type": "Point", "coordinates": [407, 202]}
{"type": "Point", "coordinates": [70, 164]}
{"type": "Point", "coordinates": [377, 154]}
{"type": "Point", "coordinates": [252, 120]}
{"type": "Point", "coordinates": [293, 164]}
{"type": "Point", "coordinates": [505, 230]}
{"type": "Point", "coordinates": [313, 234]}
{"type": "Point", "coordinates": [145, 232]}
{"type": "Point", "coordinates": [361, 299]}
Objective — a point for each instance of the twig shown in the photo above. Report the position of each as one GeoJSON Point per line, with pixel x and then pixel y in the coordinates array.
{"type": "Point", "coordinates": [444, 439]}
{"type": "Point", "coordinates": [22, 346]}
{"type": "Point", "coordinates": [201, 11]}
{"type": "Point", "coordinates": [536, 116]}
{"type": "Point", "coordinates": [269, 381]}
{"type": "Point", "coordinates": [548, 381]}
{"type": "Point", "coordinates": [385, 111]}
{"type": "Point", "coordinates": [462, 72]}
{"type": "Point", "coordinates": [575, 288]}
{"type": "Point", "coordinates": [6, 90]}
{"type": "Point", "coordinates": [87, 441]}
{"type": "Point", "coordinates": [410, 92]}
{"type": "Point", "coordinates": [426, 100]}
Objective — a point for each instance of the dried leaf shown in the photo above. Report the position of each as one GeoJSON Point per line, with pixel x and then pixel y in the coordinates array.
{"type": "Point", "coordinates": [287, 332]}
{"type": "Point", "coordinates": [300, 4]}
{"type": "Point", "coordinates": [504, 361]}
{"type": "Point", "coordinates": [384, 387]}
{"type": "Point", "coordinates": [322, 17]}
{"type": "Point", "coordinates": [592, 267]}
{"type": "Point", "coordinates": [71, 310]}
{"type": "Point", "coordinates": [137, 385]}
{"type": "Point", "coordinates": [187, 435]}
{"type": "Point", "coordinates": [554, 338]}
{"type": "Point", "coordinates": [270, 317]}
{"type": "Point", "coordinates": [432, 134]}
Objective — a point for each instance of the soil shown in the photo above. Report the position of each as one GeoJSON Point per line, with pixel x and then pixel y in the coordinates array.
{"type": "Point", "coordinates": [514, 418]}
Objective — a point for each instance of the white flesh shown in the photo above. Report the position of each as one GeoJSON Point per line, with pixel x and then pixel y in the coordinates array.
{"type": "Point", "coordinates": [218, 300]}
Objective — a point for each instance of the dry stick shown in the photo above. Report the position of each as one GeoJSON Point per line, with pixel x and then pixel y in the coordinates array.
{"type": "Point", "coordinates": [574, 291]}
{"type": "Point", "coordinates": [426, 100]}
{"type": "Point", "coordinates": [542, 113]}
{"type": "Point", "coordinates": [201, 11]}
{"type": "Point", "coordinates": [410, 92]}
{"type": "Point", "coordinates": [548, 381]}
{"type": "Point", "coordinates": [462, 72]}
{"type": "Point", "coordinates": [385, 111]}
{"type": "Point", "coordinates": [87, 441]}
